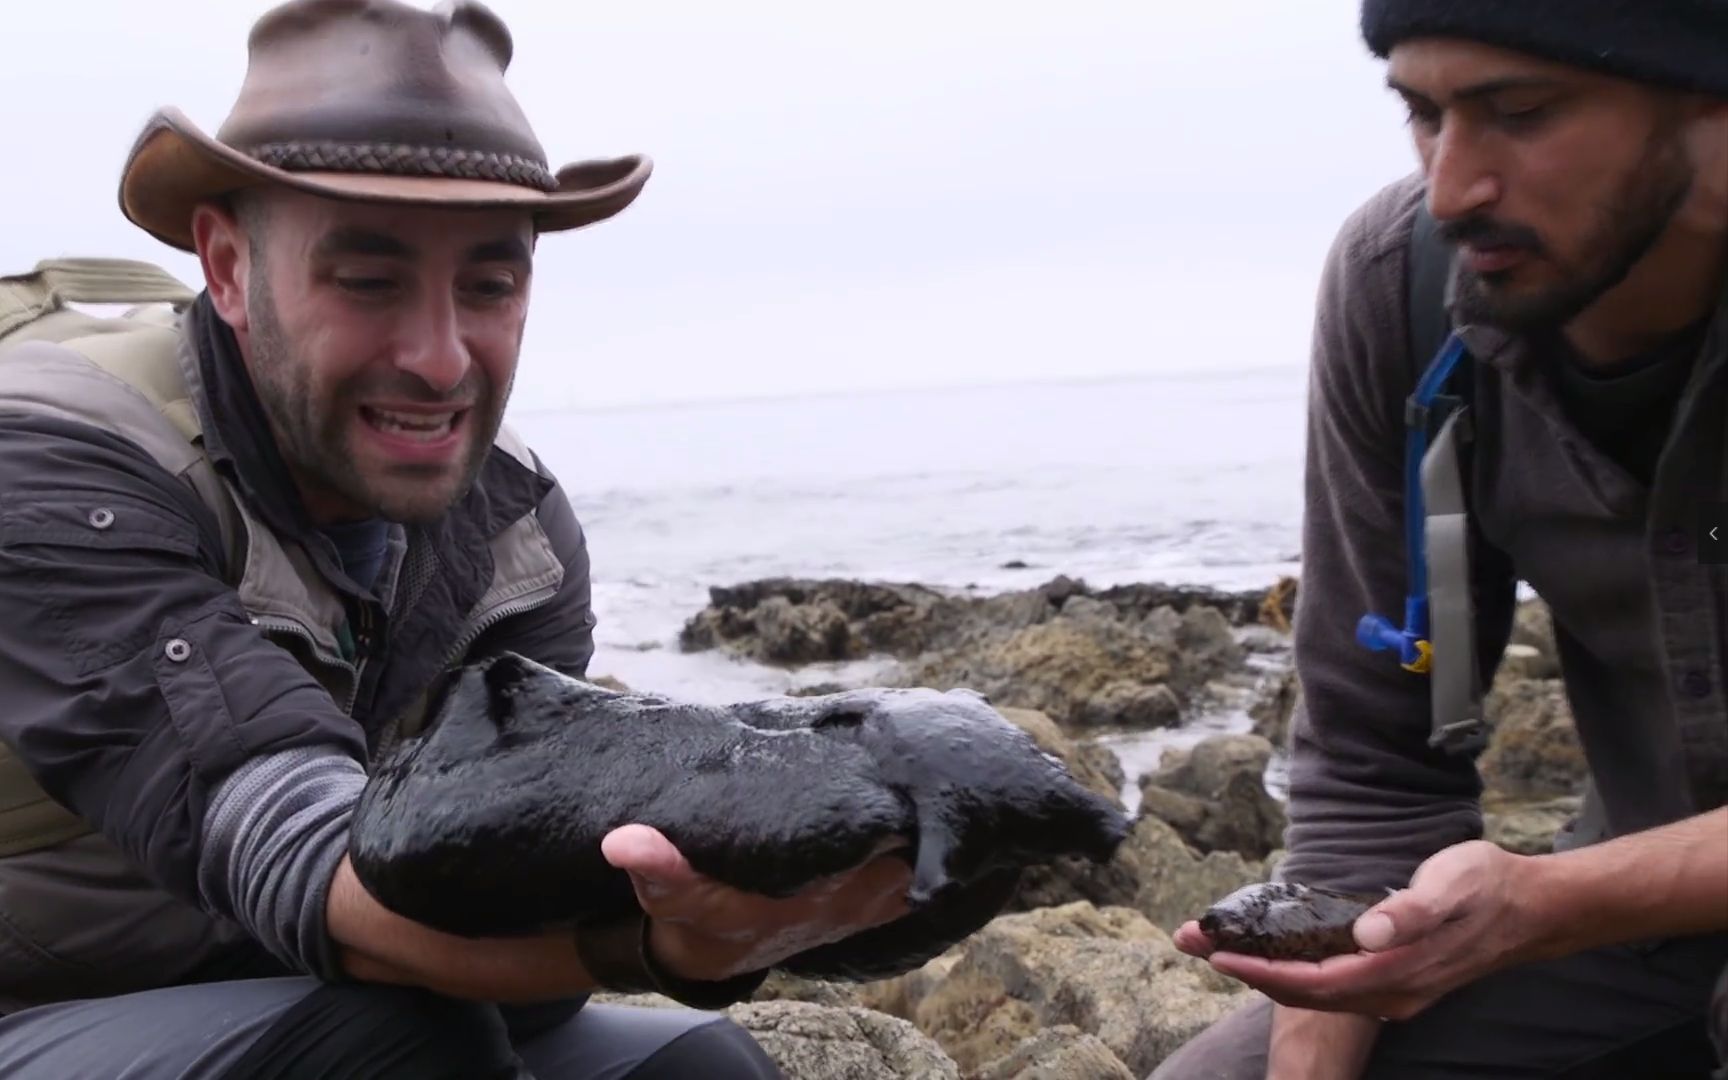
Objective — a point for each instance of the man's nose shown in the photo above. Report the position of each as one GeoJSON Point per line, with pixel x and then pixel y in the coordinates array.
{"type": "Point", "coordinates": [432, 347]}
{"type": "Point", "coordinates": [1462, 181]}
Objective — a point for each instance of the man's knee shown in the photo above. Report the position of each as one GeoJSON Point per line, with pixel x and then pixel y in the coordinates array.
{"type": "Point", "coordinates": [382, 1033]}
{"type": "Point", "coordinates": [1234, 1048]}
{"type": "Point", "coordinates": [721, 1050]}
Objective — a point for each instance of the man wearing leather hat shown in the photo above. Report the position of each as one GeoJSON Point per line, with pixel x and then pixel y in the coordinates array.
{"type": "Point", "coordinates": [244, 529]}
{"type": "Point", "coordinates": [1559, 269]}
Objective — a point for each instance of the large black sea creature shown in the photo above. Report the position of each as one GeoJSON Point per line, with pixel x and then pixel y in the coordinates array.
{"type": "Point", "coordinates": [490, 823]}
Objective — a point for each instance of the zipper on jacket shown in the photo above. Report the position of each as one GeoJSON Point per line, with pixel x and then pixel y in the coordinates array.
{"type": "Point", "coordinates": [493, 618]}
{"type": "Point", "coordinates": [289, 626]}
{"type": "Point", "coordinates": [294, 629]}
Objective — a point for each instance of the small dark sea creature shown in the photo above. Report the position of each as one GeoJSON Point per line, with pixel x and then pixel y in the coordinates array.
{"type": "Point", "coordinates": [1285, 921]}
{"type": "Point", "coordinates": [490, 823]}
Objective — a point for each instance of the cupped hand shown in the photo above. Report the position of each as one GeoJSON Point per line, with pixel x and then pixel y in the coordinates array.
{"type": "Point", "coordinates": [702, 929]}
{"type": "Point", "coordinates": [1465, 914]}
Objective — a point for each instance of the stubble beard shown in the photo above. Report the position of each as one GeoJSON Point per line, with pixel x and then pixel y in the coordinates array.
{"type": "Point", "coordinates": [1627, 227]}
{"type": "Point", "coordinates": [315, 436]}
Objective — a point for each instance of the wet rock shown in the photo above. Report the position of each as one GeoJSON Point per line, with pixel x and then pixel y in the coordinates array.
{"type": "Point", "coordinates": [1070, 669]}
{"type": "Point", "coordinates": [1108, 973]}
{"type": "Point", "coordinates": [1215, 796]}
{"type": "Point", "coordinates": [1240, 608]}
{"type": "Point", "coordinates": [802, 634]}
{"type": "Point", "coordinates": [1154, 872]}
{"type": "Point", "coordinates": [491, 823]}
{"type": "Point", "coordinates": [1273, 706]}
{"type": "Point", "coordinates": [1128, 657]}
{"type": "Point", "coordinates": [1063, 1052]}
{"type": "Point", "coordinates": [1131, 705]}
{"type": "Point", "coordinates": [1205, 646]}
{"type": "Point", "coordinates": [1098, 762]}
{"type": "Point", "coordinates": [610, 683]}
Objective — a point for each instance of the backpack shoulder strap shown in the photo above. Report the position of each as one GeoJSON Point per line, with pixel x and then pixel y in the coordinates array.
{"type": "Point", "coordinates": [1448, 533]}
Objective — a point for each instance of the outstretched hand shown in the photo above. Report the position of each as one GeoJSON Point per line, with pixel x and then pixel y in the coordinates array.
{"type": "Point", "coordinates": [701, 929]}
{"type": "Point", "coordinates": [1465, 914]}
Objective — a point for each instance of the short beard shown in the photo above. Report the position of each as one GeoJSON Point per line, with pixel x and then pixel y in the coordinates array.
{"type": "Point", "coordinates": [311, 435]}
{"type": "Point", "coordinates": [1627, 226]}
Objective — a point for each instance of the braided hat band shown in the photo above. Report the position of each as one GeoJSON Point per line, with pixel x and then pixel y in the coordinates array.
{"type": "Point", "coordinates": [401, 159]}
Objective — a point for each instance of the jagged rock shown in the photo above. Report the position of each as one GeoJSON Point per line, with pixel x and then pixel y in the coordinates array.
{"type": "Point", "coordinates": [1063, 667]}
{"type": "Point", "coordinates": [813, 1042]}
{"type": "Point", "coordinates": [1273, 707]}
{"type": "Point", "coordinates": [1106, 972]}
{"type": "Point", "coordinates": [1526, 662]}
{"type": "Point", "coordinates": [803, 633]}
{"type": "Point", "coordinates": [1099, 762]}
{"type": "Point", "coordinates": [1125, 657]}
{"type": "Point", "coordinates": [1533, 627]}
{"type": "Point", "coordinates": [1154, 872]}
{"type": "Point", "coordinates": [780, 986]}
{"type": "Point", "coordinates": [1528, 828]}
{"type": "Point", "coordinates": [1063, 1052]}
{"type": "Point", "coordinates": [1238, 608]}
{"type": "Point", "coordinates": [1132, 705]}
{"type": "Point", "coordinates": [1533, 750]}
{"type": "Point", "coordinates": [1215, 796]}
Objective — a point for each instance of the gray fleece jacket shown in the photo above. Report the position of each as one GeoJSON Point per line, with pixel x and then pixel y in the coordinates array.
{"type": "Point", "coordinates": [1639, 618]}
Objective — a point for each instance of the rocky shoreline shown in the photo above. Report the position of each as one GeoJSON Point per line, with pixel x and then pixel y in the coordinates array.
{"type": "Point", "coordinates": [1080, 979]}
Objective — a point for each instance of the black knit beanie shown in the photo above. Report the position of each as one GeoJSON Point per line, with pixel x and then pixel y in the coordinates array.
{"type": "Point", "coordinates": [1678, 43]}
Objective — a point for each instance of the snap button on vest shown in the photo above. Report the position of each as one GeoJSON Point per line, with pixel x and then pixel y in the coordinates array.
{"type": "Point", "coordinates": [101, 517]}
{"type": "Point", "coordinates": [178, 650]}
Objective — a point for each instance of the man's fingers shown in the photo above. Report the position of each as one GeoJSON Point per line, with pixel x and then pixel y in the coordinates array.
{"type": "Point", "coordinates": [1376, 932]}
{"type": "Point", "coordinates": [1189, 938]}
{"type": "Point", "coordinates": [1402, 919]}
{"type": "Point", "coordinates": [651, 860]}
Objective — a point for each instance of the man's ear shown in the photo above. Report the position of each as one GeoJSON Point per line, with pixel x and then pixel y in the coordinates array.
{"type": "Point", "coordinates": [226, 256]}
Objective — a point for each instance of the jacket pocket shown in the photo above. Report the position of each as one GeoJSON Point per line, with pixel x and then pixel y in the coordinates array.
{"type": "Point", "coordinates": [83, 556]}
{"type": "Point", "coordinates": [92, 519]}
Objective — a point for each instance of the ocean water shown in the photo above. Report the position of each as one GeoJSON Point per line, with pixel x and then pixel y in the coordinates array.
{"type": "Point", "coordinates": [1190, 478]}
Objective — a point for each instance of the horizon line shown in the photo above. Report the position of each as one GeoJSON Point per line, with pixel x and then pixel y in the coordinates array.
{"type": "Point", "coordinates": [672, 404]}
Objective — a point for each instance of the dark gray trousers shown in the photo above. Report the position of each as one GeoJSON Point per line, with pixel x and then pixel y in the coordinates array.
{"type": "Point", "coordinates": [294, 1027]}
{"type": "Point", "coordinates": [1609, 1013]}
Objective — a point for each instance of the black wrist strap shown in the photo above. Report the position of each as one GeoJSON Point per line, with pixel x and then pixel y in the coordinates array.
{"type": "Point", "coordinates": [616, 955]}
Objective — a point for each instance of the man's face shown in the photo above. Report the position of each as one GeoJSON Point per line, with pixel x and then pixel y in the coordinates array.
{"type": "Point", "coordinates": [1553, 181]}
{"type": "Point", "coordinates": [383, 342]}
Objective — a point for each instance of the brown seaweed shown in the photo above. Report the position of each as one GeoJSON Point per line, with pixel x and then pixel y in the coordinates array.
{"type": "Point", "coordinates": [491, 822]}
{"type": "Point", "coordinates": [1286, 921]}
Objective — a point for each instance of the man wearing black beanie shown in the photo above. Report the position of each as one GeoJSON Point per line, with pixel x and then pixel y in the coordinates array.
{"type": "Point", "coordinates": [1574, 175]}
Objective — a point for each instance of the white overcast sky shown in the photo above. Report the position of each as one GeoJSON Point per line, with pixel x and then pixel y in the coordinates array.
{"type": "Point", "coordinates": [846, 196]}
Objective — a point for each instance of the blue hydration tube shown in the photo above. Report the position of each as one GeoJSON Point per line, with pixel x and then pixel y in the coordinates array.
{"type": "Point", "coordinates": [1376, 632]}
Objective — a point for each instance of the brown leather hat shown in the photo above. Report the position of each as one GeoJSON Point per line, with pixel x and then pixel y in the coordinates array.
{"type": "Point", "coordinates": [372, 100]}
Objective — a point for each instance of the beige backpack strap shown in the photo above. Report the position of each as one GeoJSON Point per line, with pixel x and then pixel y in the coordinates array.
{"type": "Point", "coordinates": [54, 283]}
{"type": "Point", "coordinates": [122, 373]}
